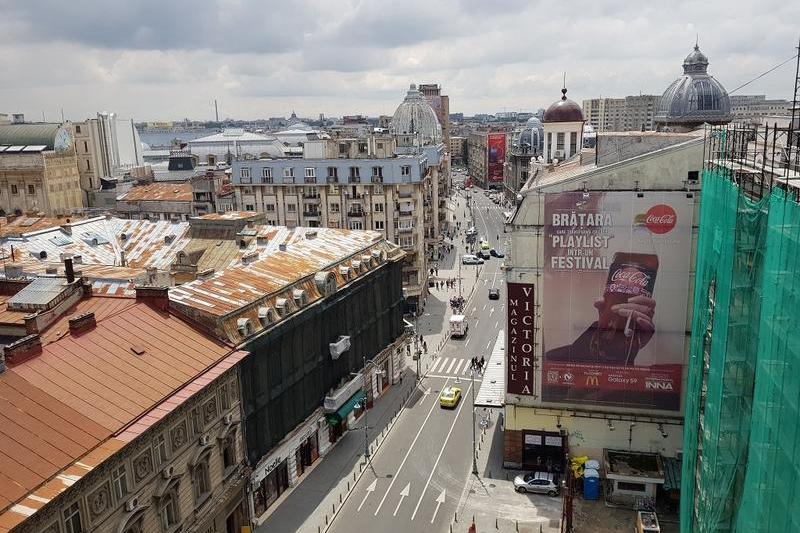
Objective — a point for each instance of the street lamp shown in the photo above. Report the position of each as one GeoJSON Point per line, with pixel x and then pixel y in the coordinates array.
{"type": "Point", "coordinates": [378, 372]}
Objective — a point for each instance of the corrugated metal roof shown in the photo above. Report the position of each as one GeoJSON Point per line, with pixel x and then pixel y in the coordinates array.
{"type": "Point", "coordinates": [97, 388]}
{"type": "Point", "coordinates": [28, 224]}
{"type": "Point", "coordinates": [29, 134]}
{"type": "Point", "coordinates": [40, 291]}
{"type": "Point", "coordinates": [231, 215]}
{"type": "Point", "coordinates": [165, 192]}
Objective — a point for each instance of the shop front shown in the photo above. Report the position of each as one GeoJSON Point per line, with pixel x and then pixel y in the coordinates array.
{"type": "Point", "coordinates": [543, 451]}
{"type": "Point", "coordinates": [306, 453]}
{"type": "Point", "coordinates": [274, 483]}
{"type": "Point", "coordinates": [340, 419]}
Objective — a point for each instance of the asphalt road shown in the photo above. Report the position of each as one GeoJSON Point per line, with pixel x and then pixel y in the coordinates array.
{"type": "Point", "coordinates": [419, 474]}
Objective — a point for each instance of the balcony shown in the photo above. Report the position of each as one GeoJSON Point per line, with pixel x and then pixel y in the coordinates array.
{"type": "Point", "coordinates": [377, 179]}
{"type": "Point", "coordinates": [405, 194]}
{"type": "Point", "coordinates": [311, 196]}
{"type": "Point", "coordinates": [355, 213]}
{"type": "Point", "coordinates": [406, 209]}
{"type": "Point", "coordinates": [310, 214]}
{"type": "Point", "coordinates": [405, 229]}
{"type": "Point", "coordinates": [333, 179]}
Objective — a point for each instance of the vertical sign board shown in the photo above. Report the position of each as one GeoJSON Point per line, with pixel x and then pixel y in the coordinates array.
{"type": "Point", "coordinates": [616, 286]}
{"type": "Point", "coordinates": [496, 145]}
{"type": "Point", "coordinates": [520, 342]}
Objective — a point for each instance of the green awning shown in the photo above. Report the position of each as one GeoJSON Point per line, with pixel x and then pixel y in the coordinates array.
{"type": "Point", "coordinates": [336, 418]}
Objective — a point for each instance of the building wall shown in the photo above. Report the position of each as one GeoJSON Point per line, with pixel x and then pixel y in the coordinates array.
{"type": "Point", "coordinates": [477, 157]}
{"type": "Point", "coordinates": [103, 511]}
{"type": "Point", "coordinates": [458, 150]}
{"type": "Point", "coordinates": [631, 113]}
{"type": "Point", "coordinates": [45, 181]}
{"type": "Point", "coordinates": [551, 131]}
{"type": "Point", "coordinates": [154, 209]}
{"type": "Point", "coordinates": [667, 170]}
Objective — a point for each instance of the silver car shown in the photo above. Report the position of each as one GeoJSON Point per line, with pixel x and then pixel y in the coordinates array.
{"type": "Point", "coordinates": [540, 482]}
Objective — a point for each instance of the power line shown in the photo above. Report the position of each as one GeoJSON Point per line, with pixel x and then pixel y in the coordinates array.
{"type": "Point", "coordinates": [776, 67]}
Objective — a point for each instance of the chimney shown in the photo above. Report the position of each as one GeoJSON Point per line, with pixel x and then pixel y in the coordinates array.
{"type": "Point", "coordinates": [70, 273]}
{"type": "Point", "coordinates": [282, 247]}
{"type": "Point", "coordinates": [158, 297]}
{"type": "Point", "coordinates": [82, 323]}
{"type": "Point", "coordinates": [122, 258]}
{"type": "Point", "coordinates": [23, 349]}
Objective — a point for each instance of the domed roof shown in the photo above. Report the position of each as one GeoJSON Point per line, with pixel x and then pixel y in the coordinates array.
{"type": "Point", "coordinates": [565, 110]}
{"type": "Point", "coordinates": [530, 138]}
{"type": "Point", "coordinates": [416, 116]}
{"type": "Point", "coordinates": [695, 97]}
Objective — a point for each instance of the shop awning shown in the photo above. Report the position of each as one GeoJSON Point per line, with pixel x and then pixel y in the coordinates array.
{"type": "Point", "coordinates": [336, 418]}
{"type": "Point", "coordinates": [492, 392]}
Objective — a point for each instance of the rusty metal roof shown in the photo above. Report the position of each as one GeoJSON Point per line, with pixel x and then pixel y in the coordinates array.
{"type": "Point", "coordinates": [98, 390]}
{"type": "Point", "coordinates": [232, 215]}
{"type": "Point", "coordinates": [27, 224]}
{"type": "Point", "coordinates": [164, 192]}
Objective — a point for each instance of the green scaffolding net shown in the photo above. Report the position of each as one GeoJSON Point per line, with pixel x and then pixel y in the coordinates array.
{"type": "Point", "coordinates": [741, 466]}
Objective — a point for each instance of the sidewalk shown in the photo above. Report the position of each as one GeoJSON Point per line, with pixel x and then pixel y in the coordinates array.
{"type": "Point", "coordinates": [310, 504]}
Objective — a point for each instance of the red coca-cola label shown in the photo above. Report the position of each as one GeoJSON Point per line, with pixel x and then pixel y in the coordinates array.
{"type": "Point", "coordinates": [629, 280]}
{"type": "Point", "coordinates": [660, 219]}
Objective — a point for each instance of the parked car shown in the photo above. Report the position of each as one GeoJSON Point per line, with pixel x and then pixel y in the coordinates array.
{"type": "Point", "coordinates": [539, 482]}
{"type": "Point", "coordinates": [449, 397]}
{"type": "Point", "coordinates": [469, 259]}
{"type": "Point", "coordinates": [494, 294]}
{"type": "Point", "coordinates": [496, 253]}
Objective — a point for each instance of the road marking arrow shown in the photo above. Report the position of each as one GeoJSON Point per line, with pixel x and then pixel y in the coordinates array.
{"type": "Point", "coordinates": [491, 311]}
{"type": "Point", "coordinates": [370, 490]}
{"type": "Point", "coordinates": [439, 502]}
{"type": "Point", "coordinates": [403, 495]}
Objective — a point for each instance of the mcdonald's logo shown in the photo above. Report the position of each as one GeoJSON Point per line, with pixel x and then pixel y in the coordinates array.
{"type": "Point", "coordinates": [592, 381]}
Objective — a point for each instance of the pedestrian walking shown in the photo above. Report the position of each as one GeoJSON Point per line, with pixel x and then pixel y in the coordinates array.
{"type": "Point", "coordinates": [482, 363]}
{"type": "Point", "coordinates": [424, 346]}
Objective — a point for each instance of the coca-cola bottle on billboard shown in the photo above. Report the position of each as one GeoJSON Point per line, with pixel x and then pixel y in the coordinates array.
{"type": "Point", "coordinates": [631, 280]}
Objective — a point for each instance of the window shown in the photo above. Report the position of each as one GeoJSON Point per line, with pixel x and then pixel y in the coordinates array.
{"type": "Point", "coordinates": [201, 480]}
{"type": "Point", "coordinates": [288, 172]}
{"type": "Point", "coordinates": [549, 139]}
{"type": "Point", "coordinates": [160, 450]}
{"type": "Point", "coordinates": [693, 175]}
{"type": "Point", "coordinates": [224, 399]}
{"type": "Point", "coordinates": [356, 224]}
{"type": "Point", "coordinates": [270, 208]}
{"type": "Point", "coordinates": [169, 510]}
{"type": "Point", "coordinates": [380, 146]}
{"type": "Point", "coordinates": [119, 482]}
{"type": "Point", "coordinates": [333, 175]}
{"type": "Point", "coordinates": [560, 140]}
{"type": "Point", "coordinates": [362, 148]}
{"type": "Point", "coordinates": [249, 207]}
{"type": "Point", "coordinates": [633, 487]}
{"type": "Point", "coordinates": [229, 451]}
{"type": "Point", "coordinates": [355, 174]}
{"type": "Point", "coordinates": [77, 129]}
{"type": "Point", "coordinates": [72, 519]}
{"type": "Point", "coordinates": [31, 190]}
{"type": "Point", "coordinates": [405, 170]}
{"type": "Point", "coordinates": [85, 147]}
{"type": "Point", "coordinates": [334, 207]}
{"type": "Point", "coordinates": [88, 165]}
{"type": "Point", "coordinates": [377, 172]}
{"type": "Point", "coordinates": [244, 172]}
{"type": "Point", "coordinates": [266, 175]}
{"type": "Point", "coordinates": [197, 421]}
{"type": "Point", "coordinates": [311, 172]}
{"type": "Point", "coordinates": [573, 142]}
{"type": "Point", "coordinates": [379, 224]}
{"type": "Point", "coordinates": [379, 208]}
{"type": "Point", "coordinates": [291, 208]}
{"type": "Point", "coordinates": [377, 189]}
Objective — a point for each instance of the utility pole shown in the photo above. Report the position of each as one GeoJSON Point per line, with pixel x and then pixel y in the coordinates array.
{"type": "Point", "coordinates": [366, 427]}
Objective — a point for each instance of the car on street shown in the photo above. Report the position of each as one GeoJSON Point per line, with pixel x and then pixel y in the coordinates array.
{"type": "Point", "coordinates": [538, 482]}
{"type": "Point", "coordinates": [496, 253]}
{"type": "Point", "coordinates": [449, 397]}
{"type": "Point", "coordinates": [494, 294]}
{"type": "Point", "coordinates": [469, 259]}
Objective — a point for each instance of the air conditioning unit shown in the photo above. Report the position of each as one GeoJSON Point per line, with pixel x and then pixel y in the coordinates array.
{"type": "Point", "coordinates": [559, 154]}
{"type": "Point", "coordinates": [132, 504]}
{"type": "Point", "coordinates": [167, 472]}
{"type": "Point", "coordinates": [203, 440]}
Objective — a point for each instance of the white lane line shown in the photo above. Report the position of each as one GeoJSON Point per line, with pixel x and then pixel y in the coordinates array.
{"type": "Point", "coordinates": [436, 363]}
{"type": "Point", "coordinates": [444, 446]}
{"type": "Point", "coordinates": [488, 344]}
{"type": "Point", "coordinates": [491, 311]}
{"type": "Point", "coordinates": [403, 495]}
{"type": "Point", "coordinates": [370, 490]}
{"type": "Point", "coordinates": [477, 377]}
{"type": "Point", "coordinates": [477, 322]}
{"type": "Point", "coordinates": [449, 368]}
{"type": "Point", "coordinates": [494, 279]}
{"type": "Point", "coordinates": [466, 343]}
{"type": "Point", "coordinates": [475, 308]}
{"type": "Point", "coordinates": [484, 307]}
{"type": "Point", "coordinates": [408, 452]}
{"type": "Point", "coordinates": [458, 366]}
{"type": "Point", "coordinates": [496, 324]}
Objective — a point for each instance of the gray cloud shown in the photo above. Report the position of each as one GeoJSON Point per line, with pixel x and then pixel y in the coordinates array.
{"type": "Point", "coordinates": [152, 59]}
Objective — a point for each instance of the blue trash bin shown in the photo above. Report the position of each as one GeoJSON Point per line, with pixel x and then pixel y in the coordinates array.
{"type": "Point", "coordinates": [591, 484]}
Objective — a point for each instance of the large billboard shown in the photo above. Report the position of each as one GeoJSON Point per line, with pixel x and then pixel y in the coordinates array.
{"type": "Point", "coordinates": [520, 340]}
{"type": "Point", "coordinates": [616, 282]}
{"type": "Point", "coordinates": [496, 145]}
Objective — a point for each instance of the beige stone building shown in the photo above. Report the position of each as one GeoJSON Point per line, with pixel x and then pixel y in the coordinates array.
{"type": "Point", "coordinates": [38, 170]}
{"type": "Point", "coordinates": [140, 433]}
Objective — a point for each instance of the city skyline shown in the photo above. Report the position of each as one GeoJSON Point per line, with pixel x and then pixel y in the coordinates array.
{"type": "Point", "coordinates": [152, 61]}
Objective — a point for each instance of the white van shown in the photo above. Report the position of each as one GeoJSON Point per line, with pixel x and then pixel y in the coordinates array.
{"type": "Point", "coordinates": [469, 259]}
{"type": "Point", "coordinates": [458, 326]}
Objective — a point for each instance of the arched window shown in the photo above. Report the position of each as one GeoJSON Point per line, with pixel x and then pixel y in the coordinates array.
{"type": "Point", "coordinates": [201, 479]}
{"type": "Point", "coordinates": [169, 510]}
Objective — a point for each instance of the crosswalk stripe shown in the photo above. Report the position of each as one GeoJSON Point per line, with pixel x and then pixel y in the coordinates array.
{"type": "Point", "coordinates": [449, 368]}
{"type": "Point", "coordinates": [436, 363]}
{"type": "Point", "coordinates": [458, 366]}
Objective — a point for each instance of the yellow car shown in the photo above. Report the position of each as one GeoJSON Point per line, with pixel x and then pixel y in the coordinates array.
{"type": "Point", "coordinates": [449, 397]}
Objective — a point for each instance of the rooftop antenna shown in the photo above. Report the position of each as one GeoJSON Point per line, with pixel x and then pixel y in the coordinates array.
{"type": "Point", "coordinates": [564, 85]}
{"type": "Point", "coordinates": [697, 41]}
{"type": "Point", "coordinates": [62, 115]}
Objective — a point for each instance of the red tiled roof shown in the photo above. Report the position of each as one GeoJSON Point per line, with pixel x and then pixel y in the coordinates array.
{"type": "Point", "coordinates": [100, 394]}
{"type": "Point", "coordinates": [172, 192]}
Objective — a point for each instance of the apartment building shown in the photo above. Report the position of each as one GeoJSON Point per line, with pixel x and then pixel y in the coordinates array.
{"type": "Point", "coordinates": [38, 170]}
{"type": "Point", "coordinates": [356, 184]}
{"type": "Point", "coordinates": [752, 108]}
{"type": "Point", "coordinates": [632, 113]}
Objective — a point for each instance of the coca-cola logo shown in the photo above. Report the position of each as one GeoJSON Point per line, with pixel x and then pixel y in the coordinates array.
{"type": "Point", "coordinates": [660, 219]}
{"type": "Point", "coordinates": [631, 276]}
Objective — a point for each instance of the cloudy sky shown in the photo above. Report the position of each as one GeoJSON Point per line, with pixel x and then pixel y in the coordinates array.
{"type": "Point", "coordinates": [169, 59]}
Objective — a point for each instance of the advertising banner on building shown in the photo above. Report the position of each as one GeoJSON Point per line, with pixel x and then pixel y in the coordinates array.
{"type": "Point", "coordinates": [519, 345]}
{"type": "Point", "coordinates": [496, 145]}
{"type": "Point", "coordinates": [616, 282]}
